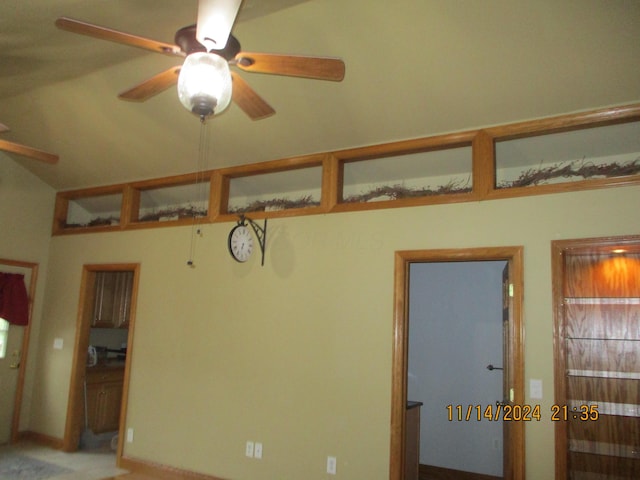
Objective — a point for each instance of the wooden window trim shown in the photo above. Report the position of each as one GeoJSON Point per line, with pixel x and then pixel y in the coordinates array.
{"type": "Point", "coordinates": [482, 143]}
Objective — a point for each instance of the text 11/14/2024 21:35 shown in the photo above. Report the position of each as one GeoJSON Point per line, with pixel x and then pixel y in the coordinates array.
{"type": "Point", "coordinates": [520, 413]}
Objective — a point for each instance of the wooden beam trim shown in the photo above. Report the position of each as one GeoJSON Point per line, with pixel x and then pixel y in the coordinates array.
{"type": "Point", "coordinates": [332, 176]}
{"type": "Point", "coordinates": [273, 166]}
{"type": "Point", "coordinates": [406, 147]}
{"type": "Point", "coordinates": [483, 164]}
{"type": "Point", "coordinates": [573, 121]}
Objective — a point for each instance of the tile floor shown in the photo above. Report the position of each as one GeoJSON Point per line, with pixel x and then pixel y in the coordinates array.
{"type": "Point", "coordinates": [99, 464]}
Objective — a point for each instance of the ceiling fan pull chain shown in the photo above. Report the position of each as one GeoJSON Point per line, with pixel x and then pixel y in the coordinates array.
{"type": "Point", "coordinates": [201, 167]}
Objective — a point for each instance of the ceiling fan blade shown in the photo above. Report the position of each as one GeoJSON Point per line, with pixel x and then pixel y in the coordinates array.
{"type": "Point", "coordinates": [28, 152]}
{"type": "Point", "coordinates": [215, 20]}
{"type": "Point", "coordinates": [104, 33]}
{"type": "Point", "coordinates": [319, 68]}
{"type": "Point", "coordinates": [248, 100]}
{"type": "Point", "coordinates": [3, 128]}
{"type": "Point", "coordinates": [152, 86]}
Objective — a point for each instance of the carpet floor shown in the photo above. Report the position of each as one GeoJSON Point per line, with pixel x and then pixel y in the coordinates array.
{"type": "Point", "coordinates": [20, 467]}
{"type": "Point", "coordinates": [34, 462]}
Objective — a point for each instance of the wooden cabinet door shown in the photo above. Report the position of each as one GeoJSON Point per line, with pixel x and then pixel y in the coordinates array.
{"type": "Point", "coordinates": [104, 399]}
{"type": "Point", "coordinates": [103, 309]}
{"type": "Point", "coordinates": [93, 393]}
{"type": "Point", "coordinates": [124, 285]}
{"type": "Point", "coordinates": [108, 407]}
{"type": "Point", "coordinates": [112, 299]}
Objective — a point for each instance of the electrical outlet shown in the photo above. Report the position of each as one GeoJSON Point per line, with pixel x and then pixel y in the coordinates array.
{"type": "Point", "coordinates": [257, 450]}
{"type": "Point", "coordinates": [332, 465]}
{"type": "Point", "coordinates": [248, 451]}
{"type": "Point", "coordinates": [129, 435]}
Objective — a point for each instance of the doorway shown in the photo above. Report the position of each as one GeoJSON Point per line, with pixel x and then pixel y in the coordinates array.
{"type": "Point", "coordinates": [13, 362]}
{"type": "Point", "coordinates": [512, 433]}
{"type": "Point", "coordinates": [108, 293]}
{"type": "Point", "coordinates": [457, 304]}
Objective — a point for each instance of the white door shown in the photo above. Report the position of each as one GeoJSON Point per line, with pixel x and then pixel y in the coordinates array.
{"type": "Point", "coordinates": [12, 336]}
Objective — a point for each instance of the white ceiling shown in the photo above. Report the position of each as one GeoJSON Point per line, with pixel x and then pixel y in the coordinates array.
{"type": "Point", "coordinates": [413, 69]}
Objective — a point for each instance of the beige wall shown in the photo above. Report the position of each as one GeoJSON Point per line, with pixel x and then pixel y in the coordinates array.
{"type": "Point", "coordinates": [26, 213]}
{"type": "Point", "coordinates": [297, 354]}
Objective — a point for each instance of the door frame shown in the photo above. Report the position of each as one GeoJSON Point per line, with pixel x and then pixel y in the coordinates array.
{"type": "Point", "coordinates": [514, 257]}
{"type": "Point", "coordinates": [559, 249]}
{"type": "Point", "coordinates": [75, 406]}
{"type": "Point", "coordinates": [15, 421]}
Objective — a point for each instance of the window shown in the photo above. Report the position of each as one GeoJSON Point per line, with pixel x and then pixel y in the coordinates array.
{"type": "Point", "coordinates": [4, 334]}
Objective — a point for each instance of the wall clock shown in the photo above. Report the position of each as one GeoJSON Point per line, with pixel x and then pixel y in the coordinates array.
{"type": "Point", "coordinates": [240, 241]}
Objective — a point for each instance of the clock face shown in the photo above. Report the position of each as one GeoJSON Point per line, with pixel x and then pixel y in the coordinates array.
{"type": "Point", "coordinates": [240, 243]}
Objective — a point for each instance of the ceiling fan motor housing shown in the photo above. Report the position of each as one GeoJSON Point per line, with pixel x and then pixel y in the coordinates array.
{"type": "Point", "coordinates": [185, 38]}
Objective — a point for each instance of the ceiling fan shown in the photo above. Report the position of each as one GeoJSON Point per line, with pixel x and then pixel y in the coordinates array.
{"type": "Point", "coordinates": [26, 151]}
{"type": "Point", "coordinates": [211, 38]}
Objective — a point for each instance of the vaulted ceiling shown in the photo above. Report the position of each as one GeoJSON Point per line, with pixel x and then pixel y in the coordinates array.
{"type": "Point", "coordinates": [413, 69]}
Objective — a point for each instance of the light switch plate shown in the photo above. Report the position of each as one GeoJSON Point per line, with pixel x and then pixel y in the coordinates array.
{"type": "Point", "coordinates": [535, 388]}
{"type": "Point", "coordinates": [58, 343]}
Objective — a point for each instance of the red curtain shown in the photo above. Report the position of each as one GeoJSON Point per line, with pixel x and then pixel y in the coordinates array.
{"type": "Point", "coordinates": [14, 301]}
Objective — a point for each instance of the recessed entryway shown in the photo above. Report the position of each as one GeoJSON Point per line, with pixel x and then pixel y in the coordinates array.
{"type": "Point", "coordinates": [508, 329]}
{"type": "Point", "coordinates": [100, 374]}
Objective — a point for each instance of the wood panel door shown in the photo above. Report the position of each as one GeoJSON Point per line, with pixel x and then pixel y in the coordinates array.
{"type": "Point", "coordinates": [598, 361]}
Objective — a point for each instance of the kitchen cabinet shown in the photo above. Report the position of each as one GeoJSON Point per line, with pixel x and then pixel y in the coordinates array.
{"type": "Point", "coordinates": [112, 301]}
{"type": "Point", "coordinates": [104, 398]}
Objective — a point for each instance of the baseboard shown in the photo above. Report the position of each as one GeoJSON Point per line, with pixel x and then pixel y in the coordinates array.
{"type": "Point", "coordinates": [135, 465]}
{"type": "Point", "coordinates": [159, 471]}
{"type": "Point", "coordinates": [40, 439]}
{"type": "Point", "coordinates": [439, 473]}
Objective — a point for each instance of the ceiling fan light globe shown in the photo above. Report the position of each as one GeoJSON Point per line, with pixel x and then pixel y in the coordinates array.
{"type": "Point", "coordinates": [204, 84]}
